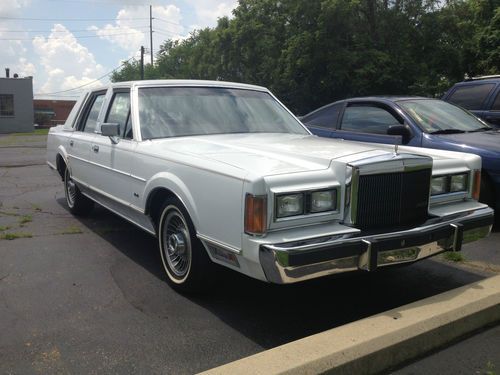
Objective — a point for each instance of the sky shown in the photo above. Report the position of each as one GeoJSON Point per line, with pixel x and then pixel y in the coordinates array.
{"type": "Point", "coordinates": [64, 44]}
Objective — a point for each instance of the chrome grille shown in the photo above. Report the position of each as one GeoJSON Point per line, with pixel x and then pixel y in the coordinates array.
{"type": "Point", "coordinates": [393, 199]}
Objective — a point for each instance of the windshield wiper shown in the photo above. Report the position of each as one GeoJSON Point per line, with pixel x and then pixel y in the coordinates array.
{"type": "Point", "coordinates": [448, 131]}
{"type": "Point", "coordinates": [483, 129]}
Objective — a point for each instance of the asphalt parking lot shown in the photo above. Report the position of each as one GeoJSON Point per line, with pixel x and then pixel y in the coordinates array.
{"type": "Point", "coordinates": [89, 296]}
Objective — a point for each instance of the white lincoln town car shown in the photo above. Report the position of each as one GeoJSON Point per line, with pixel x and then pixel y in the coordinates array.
{"type": "Point", "coordinates": [223, 173]}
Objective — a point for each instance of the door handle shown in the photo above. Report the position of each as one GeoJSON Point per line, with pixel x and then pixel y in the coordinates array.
{"type": "Point", "coordinates": [95, 148]}
{"type": "Point", "coordinates": [71, 143]}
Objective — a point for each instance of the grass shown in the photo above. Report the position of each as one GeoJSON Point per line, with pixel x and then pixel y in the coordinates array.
{"type": "Point", "coordinates": [3, 228]}
{"type": "Point", "coordinates": [35, 132]}
{"type": "Point", "coordinates": [490, 369]}
{"type": "Point", "coordinates": [25, 219]}
{"type": "Point", "coordinates": [454, 256]}
{"type": "Point", "coordinates": [73, 229]}
{"type": "Point", "coordinates": [12, 236]}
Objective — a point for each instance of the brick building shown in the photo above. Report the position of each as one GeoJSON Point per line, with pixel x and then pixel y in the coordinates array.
{"type": "Point", "coordinates": [52, 112]}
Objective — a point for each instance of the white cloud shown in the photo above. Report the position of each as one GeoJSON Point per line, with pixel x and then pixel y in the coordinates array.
{"type": "Point", "coordinates": [208, 11]}
{"type": "Point", "coordinates": [9, 8]}
{"type": "Point", "coordinates": [127, 35]}
{"type": "Point", "coordinates": [13, 53]}
{"type": "Point", "coordinates": [66, 63]}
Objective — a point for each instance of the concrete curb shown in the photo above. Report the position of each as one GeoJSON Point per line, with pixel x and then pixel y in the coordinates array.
{"type": "Point", "coordinates": [382, 341]}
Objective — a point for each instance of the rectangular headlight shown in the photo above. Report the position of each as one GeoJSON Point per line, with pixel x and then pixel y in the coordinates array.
{"type": "Point", "coordinates": [458, 183]}
{"type": "Point", "coordinates": [289, 205]}
{"type": "Point", "coordinates": [439, 185]}
{"type": "Point", "coordinates": [325, 200]}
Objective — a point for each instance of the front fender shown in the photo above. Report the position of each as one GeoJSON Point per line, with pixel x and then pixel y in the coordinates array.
{"type": "Point", "coordinates": [169, 181]}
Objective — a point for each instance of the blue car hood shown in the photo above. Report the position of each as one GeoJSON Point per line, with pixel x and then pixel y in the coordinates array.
{"type": "Point", "coordinates": [484, 143]}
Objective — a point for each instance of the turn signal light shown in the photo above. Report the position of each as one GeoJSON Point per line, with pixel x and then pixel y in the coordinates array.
{"type": "Point", "coordinates": [255, 214]}
{"type": "Point", "coordinates": [476, 187]}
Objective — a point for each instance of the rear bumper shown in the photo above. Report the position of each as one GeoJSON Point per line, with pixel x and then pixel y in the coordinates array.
{"type": "Point", "coordinates": [291, 262]}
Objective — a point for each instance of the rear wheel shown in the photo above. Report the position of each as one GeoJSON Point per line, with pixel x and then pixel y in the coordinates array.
{"type": "Point", "coordinates": [78, 203]}
{"type": "Point", "coordinates": [185, 260]}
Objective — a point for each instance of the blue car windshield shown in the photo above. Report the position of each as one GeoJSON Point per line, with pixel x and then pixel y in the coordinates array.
{"type": "Point", "coordinates": [437, 116]}
{"type": "Point", "coordinates": [184, 111]}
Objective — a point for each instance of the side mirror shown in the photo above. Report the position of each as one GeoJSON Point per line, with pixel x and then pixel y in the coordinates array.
{"type": "Point", "coordinates": [403, 130]}
{"type": "Point", "coordinates": [111, 130]}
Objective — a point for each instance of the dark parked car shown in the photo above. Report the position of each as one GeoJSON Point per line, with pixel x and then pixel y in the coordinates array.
{"type": "Point", "coordinates": [480, 95]}
{"type": "Point", "coordinates": [414, 121]}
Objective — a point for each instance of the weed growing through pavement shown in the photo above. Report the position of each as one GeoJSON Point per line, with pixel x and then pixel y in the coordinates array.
{"type": "Point", "coordinates": [12, 236]}
{"type": "Point", "coordinates": [490, 369]}
{"type": "Point", "coordinates": [25, 219]}
{"type": "Point", "coordinates": [3, 228]}
{"type": "Point", "coordinates": [454, 256]}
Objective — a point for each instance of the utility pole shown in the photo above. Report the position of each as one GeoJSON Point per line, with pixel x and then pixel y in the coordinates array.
{"type": "Point", "coordinates": [151, 31]}
{"type": "Point", "coordinates": [142, 62]}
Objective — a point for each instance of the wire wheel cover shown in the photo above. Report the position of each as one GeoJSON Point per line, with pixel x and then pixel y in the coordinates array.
{"type": "Point", "coordinates": [176, 243]}
{"type": "Point", "coordinates": [70, 191]}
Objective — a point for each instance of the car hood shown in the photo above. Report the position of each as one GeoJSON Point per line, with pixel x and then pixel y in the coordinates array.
{"type": "Point", "coordinates": [486, 144]}
{"type": "Point", "coordinates": [267, 154]}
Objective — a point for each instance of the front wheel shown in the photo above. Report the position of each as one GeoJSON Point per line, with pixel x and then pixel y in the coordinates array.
{"type": "Point", "coordinates": [184, 258]}
{"type": "Point", "coordinates": [78, 203]}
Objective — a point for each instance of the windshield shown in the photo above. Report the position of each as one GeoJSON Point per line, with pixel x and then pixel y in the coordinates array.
{"type": "Point", "coordinates": [437, 116]}
{"type": "Point", "coordinates": [182, 111]}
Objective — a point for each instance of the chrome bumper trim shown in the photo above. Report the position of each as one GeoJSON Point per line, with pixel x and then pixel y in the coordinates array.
{"type": "Point", "coordinates": [301, 260]}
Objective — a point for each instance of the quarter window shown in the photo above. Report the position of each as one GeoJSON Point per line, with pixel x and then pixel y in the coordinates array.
{"type": "Point", "coordinates": [119, 113]}
{"type": "Point", "coordinates": [471, 96]}
{"type": "Point", "coordinates": [367, 119]}
{"type": "Point", "coordinates": [91, 120]}
{"type": "Point", "coordinates": [326, 117]}
{"type": "Point", "coordinates": [7, 105]}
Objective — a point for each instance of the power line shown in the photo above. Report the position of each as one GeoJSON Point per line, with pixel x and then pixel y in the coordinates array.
{"type": "Point", "coordinates": [76, 37]}
{"type": "Point", "coordinates": [89, 83]}
{"type": "Point", "coordinates": [64, 31]}
{"type": "Point", "coordinates": [71, 19]}
{"type": "Point", "coordinates": [163, 33]}
{"type": "Point", "coordinates": [156, 29]}
{"type": "Point", "coordinates": [171, 22]}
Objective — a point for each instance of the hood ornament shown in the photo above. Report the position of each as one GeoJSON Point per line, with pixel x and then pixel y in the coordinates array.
{"type": "Point", "coordinates": [396, 149]}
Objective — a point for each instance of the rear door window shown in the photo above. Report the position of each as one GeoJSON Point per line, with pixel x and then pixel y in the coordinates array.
{"type": "Point", "coordinates": [471, 96]}
{"type": "Point", "coordinates": [89, 122]}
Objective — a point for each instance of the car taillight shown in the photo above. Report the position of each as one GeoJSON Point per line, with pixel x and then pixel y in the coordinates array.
{"type": "Point", "coordinates": [255, 214]}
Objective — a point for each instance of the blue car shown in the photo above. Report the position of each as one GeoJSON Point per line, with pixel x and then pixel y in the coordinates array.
{"type": "Point", "coordinates": [418, 122]}
{"type": "Point", "coordinates": [480, 95]}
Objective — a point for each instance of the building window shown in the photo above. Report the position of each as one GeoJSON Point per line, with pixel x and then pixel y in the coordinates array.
{"type": "Point", "coordinates": [6, 105]}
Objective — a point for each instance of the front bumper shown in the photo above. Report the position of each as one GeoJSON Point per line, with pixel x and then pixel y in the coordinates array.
{"type": "Point", "coordinates": [295, 261]}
